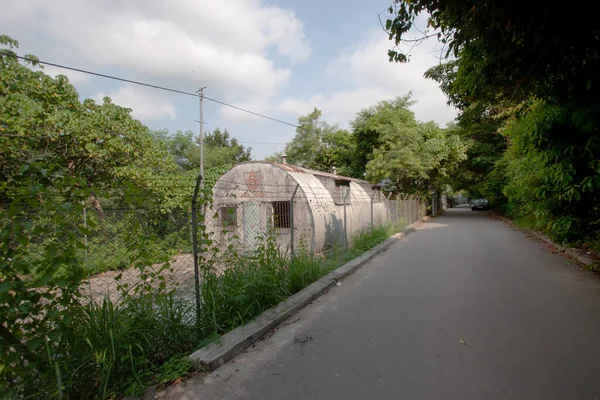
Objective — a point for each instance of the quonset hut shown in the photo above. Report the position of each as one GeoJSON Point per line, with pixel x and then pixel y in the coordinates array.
{"type": "Point", "coordinates": [301, 207]}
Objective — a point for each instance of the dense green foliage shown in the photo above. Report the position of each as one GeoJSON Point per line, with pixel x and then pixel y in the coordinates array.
{"type": "Point", "coordinates": [412, 156]}
{"type": "Point", "coordinates": [552, 171]}
{"type": "Point", "coordinates": [59, 157]}
{"type": "Point", "coordinates": [45, 125]}
{"type": "Point", "coordinates": [510, 48]}
{"type": "Point", "coordinates": [524, 77]}
{"type": "Point", "coordinates": [319, 146]}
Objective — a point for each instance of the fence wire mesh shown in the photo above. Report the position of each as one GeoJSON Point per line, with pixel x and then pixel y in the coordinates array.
{"type": "Point", "coordinates": [175, 271]}
{"type": "Point", "coordinates": [123, 247]}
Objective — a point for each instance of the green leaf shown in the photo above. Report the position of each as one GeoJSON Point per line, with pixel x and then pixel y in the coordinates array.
{"type": "Point", "coordinates": [23, 240]}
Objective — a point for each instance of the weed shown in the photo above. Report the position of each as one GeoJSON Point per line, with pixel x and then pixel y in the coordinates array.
{"type": "Point", "coordinates": [174, 368]}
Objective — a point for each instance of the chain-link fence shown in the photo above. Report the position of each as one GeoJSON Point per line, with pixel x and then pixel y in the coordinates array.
{"type": "Point", "coordinates": [118, 247]}
{"type": "Point", "coordinates": [300, 218]}
{"type": "Point", "coordinates": [95, 274]}
{"type": "Point", "coordinates": [124, 247]}
{"type": "Point", "coordinates": [117, 262]}
{"type": "Point", "coordinates": [280, 214]}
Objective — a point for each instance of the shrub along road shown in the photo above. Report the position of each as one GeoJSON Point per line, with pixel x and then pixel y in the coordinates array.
{"type": "Point", "coordinates": [464, 308]}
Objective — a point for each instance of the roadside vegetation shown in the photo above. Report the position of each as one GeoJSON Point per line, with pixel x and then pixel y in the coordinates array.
{"type": "Point", "coordinates": [524, 78]}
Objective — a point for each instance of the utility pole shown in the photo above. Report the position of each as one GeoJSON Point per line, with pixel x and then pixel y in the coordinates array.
{"type": "Point", "coordinates": [201, 122]}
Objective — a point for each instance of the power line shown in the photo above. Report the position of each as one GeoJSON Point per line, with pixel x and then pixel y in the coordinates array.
{"type": "Point", "coordinates": [251, 112]}
{"type": "Point", "coordinates": [239, 141]}
{"type": "Point", "coordinates": [83, 71]}
{"type": "Point", "coordinates": [47, 136]}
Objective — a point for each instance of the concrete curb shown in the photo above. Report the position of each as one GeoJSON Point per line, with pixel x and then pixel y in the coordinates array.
{"type": "Point", "coordinates": [233, 343]}
{"type": "Point", "coordinates": [572, 253]}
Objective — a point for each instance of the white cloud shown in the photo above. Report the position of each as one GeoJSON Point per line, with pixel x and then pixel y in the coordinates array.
{"type": "Point", "coordinates": [146, 104]}
{"type": "Point", "coordinates": [284, 26]}
{"type": "Point", "coordinates": [183, 44]}
{"type": "Point", "coordinates": [372, 78]}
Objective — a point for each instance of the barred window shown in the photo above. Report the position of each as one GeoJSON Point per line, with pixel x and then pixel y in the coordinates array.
{"type": "Point", "coordinates": [229, 216]}
{"type": "Point", "coordinates": [281, 214]}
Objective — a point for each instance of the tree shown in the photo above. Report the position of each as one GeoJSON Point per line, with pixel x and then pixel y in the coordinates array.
{"type": "Point", "coordinates": [182, 147]}
{"type": "Point", "coordinates": [58, 157]}
{"type": "Point", "coordinates": [337, 151]}
{"type": "Point", "coordinates": [515, 49]}
{"type": "Point", "coordinates": [366, 128]}
{"type": "Point", "coordinates": [275, 157]}
{"type": "Point", "coordinates": [478, 125]}
{"type": "Point", "coordinates": [304, 149]}
{"type": "Point", "coordinates": [387, 144]}
{"type": "Point", "coordinates": [320, 146]}
{"type": "Point", "coordinates": [220, 150]}
{"type": "Point", "coordinates": [44, 124]}
{"type": "Point", "coordinates": [532, 67]}
{"type": "Point", "coordinates": [409, 154]}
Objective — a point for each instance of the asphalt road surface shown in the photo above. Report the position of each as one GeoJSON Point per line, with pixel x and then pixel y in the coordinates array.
{"type": "Point", "coordinates": [466, 307]}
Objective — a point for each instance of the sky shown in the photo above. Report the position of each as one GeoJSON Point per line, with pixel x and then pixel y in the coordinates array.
{"type": "Point", "coordinates": [280, 58]}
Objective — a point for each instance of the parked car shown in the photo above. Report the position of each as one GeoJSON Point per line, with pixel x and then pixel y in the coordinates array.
{"type": "Point", "coordinates": [480, 204]}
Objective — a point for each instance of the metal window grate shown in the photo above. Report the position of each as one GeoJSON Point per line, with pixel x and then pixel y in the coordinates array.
{"type": "Point", "coordinates": [281, 214]}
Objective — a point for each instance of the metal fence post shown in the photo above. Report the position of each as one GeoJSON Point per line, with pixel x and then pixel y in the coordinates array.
{"type": "Point", "coordinates": [417, 204]}
{"type": "Point", "coordinates": [195, 246]}
{"type": "Point", "coordinates": [345, 220]}
{"type": "Point", "coordinates": [292, 221]}
{"type": "Point", "coordinates": [391, 215]}
{"type": "Point", "coordinates": [409, 208]}
{"type": "Point", "coordinates": [372, 216]}
{"type": "Point", "coordinates": [85, 238]}
{"type": "Point", "coordinates": [403, 210]}
{"type": "Point", "coordinates": [416, 211]}
{"type": "Point", "coordinates": [434, 203]}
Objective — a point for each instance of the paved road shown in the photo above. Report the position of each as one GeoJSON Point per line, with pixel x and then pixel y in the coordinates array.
{"type": "Point", "coordinates": [529, 321]}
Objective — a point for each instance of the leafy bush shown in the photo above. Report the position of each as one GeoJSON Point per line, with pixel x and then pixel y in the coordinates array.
{"type": "Point", "coordinates": [549, 174]}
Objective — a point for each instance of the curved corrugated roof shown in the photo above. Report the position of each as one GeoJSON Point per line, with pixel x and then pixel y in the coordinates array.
{"type": "Point", "coordinates": [295, 168]}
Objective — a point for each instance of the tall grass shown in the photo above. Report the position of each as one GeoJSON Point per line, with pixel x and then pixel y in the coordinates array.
{"type": "Point", "coordinates": [256, 282]}
{"type": "Point", "coordinates": [112, 349]}
{"type": "Point", "coordinates": [102, 351]}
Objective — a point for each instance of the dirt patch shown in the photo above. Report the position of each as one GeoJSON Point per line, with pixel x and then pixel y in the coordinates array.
{"type": "Point", "coordinates": [180, 275]}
